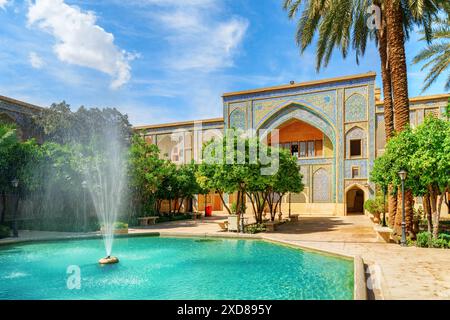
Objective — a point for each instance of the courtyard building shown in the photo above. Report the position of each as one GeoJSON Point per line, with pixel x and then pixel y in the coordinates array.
{"type": "Point", "coordinates": [334, 127]}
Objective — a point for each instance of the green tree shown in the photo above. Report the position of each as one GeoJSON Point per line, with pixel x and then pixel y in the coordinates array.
{"type": "Point", "coordinates": [17, 161]}
{"type": "Point", "coordinates": [287, 179]}
{"type": "Point", "coordinates": [424, 153]}
{"type": "Point", "coordinates": [60, 124]}
{"type": "Point", "coordinates": [430, 165]}
{"type": "Point", "coordinates": [436, 56]}
{"type": "Point", "coordinates": [146, 175]}
{"type": "Point", "coordinates": [240, 169]}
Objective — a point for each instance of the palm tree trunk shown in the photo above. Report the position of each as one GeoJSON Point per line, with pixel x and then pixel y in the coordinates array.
{"type": "Point", "coordinates": [397, 63]}
{"type": "Point", "coordinates": [388, 109]}
{"type": "Point", "coordinates": [392, 205]}
{"type": "Point", "coordinates": [409, 205]}
{"type": "Point", "coordinates": [398, 72]}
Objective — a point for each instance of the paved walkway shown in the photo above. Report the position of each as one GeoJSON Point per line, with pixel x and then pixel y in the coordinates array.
{"type": "Point", "coordinates": [396, 272]}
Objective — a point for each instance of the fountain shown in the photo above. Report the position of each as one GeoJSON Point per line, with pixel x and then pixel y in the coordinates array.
{"type": "Point", "coordinates": [104, 171]}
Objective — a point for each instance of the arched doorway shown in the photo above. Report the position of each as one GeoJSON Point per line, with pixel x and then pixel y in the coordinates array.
{"type": "Point", "coordinates": [355, 201]}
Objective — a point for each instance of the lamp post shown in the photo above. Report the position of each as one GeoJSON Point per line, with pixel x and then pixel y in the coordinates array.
{"type": "Point", "coordinates": [402, 174]}
{"type": "Point", "coordinates": [384, 206]}
{"type": "Point", "coordinates": [84, 186]}
{"type": "Point", "coordinates": [242, 185]}
{"type": "Point", "coordinates": [169, 188]}
{"type": "Point", "coordinates": [15, 185]}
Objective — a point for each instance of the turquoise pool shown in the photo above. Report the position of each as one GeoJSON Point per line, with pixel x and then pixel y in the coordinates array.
{"type": "Point", "coordinates": [172, 268]}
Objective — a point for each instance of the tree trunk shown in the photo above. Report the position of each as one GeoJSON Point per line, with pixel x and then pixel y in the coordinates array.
{"type": "Point", "coordinates": [252, 200]}
{"type": "Point", "coordinates": [409, 204]}
{"type": "Point", "coordinates": [437, 217]}
{"type": "Point", "coordinates": [397, 63]}
{"type": "Point", "coordinates": [387, 107]}
{"type": "Point", "coordinates": [433, 206]}
{"type": "Point", "coordinates": [392, 204]}
{"type": "Point", "coordinates": [399, 81]}
{"type": "Point", "coordinates": [427, 211]}
{"type": "Point", "coordinates": [387, 88]}
{"type": "Point", "coordinates": [223, 202]}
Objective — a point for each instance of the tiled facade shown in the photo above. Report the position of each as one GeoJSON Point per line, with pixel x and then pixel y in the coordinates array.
{"type": "Point", "coordinates": [346, 110]}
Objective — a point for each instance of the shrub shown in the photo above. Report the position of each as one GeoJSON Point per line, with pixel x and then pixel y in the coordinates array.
{"type": "Point", "coordinates": [374, 206]}
{"type": "Point", "coordinates": [424, 240]}
{"type": "Point", "coordinates": [444, 236]}
{"type": "Point", "coordinates": [440, 243]}
{"type": "Point", "coordinates": [5, 231]}
{"type": "Point", "coordinates": [120, 225]}
{"type": "Point", "coordinates": [255, 228]}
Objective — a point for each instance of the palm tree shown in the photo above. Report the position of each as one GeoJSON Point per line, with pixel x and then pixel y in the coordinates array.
{"type": "Point", "coordinates": [437, 54]}
{"type": "Point", "coordinates": [342, 23]}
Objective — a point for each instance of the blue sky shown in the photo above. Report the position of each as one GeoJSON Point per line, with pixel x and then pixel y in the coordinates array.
{"type": "Point", "coordinates": [160, 60]}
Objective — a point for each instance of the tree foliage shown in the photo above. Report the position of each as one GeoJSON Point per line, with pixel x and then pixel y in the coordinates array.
{"type": "Point", "coordinates": [424, 152]}
{"type": "Point", "coordinates": [239, 169]}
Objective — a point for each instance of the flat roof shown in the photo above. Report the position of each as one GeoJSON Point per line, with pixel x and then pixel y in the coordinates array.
{"type": "Point", "coordinates": [177, 124]}
{"type": "Point", "coordinates": [301, 84]}
{"type": "Point", "coordinates": [20, 103]}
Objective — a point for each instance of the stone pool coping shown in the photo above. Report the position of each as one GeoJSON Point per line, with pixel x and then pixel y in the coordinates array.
{"type": "Point", "coordinates": [359, 281]}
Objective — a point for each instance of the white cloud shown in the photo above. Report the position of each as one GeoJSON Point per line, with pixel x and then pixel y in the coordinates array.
{"type": "Point", "coordinates": [3, 3]}
{"type": "Point", "coordinates": [35, 60]}
{"type": "Point", "coordinates": [80, 40]}
{"type": "Point", "coordinates": [199, 38]}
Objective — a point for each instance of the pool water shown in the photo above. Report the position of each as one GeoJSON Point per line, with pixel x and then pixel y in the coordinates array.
{"type": "Point", "coordinates": [171, 268]}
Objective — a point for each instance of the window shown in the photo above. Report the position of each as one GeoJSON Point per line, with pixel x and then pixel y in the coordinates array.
{"type": "Point", "coordinates": [318, 147]}
{"type": "Point", "coordinates": [311, 152]}
{"type": "Point", "coordinates": [302, 149]}
{"type": "Point", "coordinates": [355, 172]}
{"type": "Point", "coordinates": [294, 149]}
{"type": "Point", "coordinates": [355, 148]}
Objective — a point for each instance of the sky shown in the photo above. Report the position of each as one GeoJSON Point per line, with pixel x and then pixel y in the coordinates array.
{"type": "Point", "coordinates": [161, 60]}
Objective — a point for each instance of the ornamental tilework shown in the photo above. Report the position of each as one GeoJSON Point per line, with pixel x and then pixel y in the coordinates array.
{"type": "Point", "coordinates": [304, 170]}
{"type": "Point", "coordinates": [360, 90]}
{"type": "Point", "coordinates": [361, 163]}
{"type": "Point", "coordinates": [300, 90]}
{"type": "Point", "coordinates": [238, 119]}
{"type": "Point", "coordinates": [372, 128]}
{"type": "Point", "coordinates": [322, 102]}
{"type": "Point", "coordinates": [321, 186]}
{"type": "Point", "coordinates": [339, 154]}
{"type": "Point", "coordinates": [349, 183]}
{"type": "Point", "coordinates": [302, 114]}
{"type": "Point", "coordinates": [356, 108]}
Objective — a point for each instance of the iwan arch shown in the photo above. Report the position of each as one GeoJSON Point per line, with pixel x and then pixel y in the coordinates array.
{"type": "Point", "coordinates": [334, 127]}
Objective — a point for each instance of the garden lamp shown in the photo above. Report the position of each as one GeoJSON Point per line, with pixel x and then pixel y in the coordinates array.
{"type": "Point", "coordinates": [15, 184]}
{"type": "Point", "coordinates": [402, 174]}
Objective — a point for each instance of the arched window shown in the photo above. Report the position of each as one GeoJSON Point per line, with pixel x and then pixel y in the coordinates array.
{"type": "Point", "coordinates": [355, 143]}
